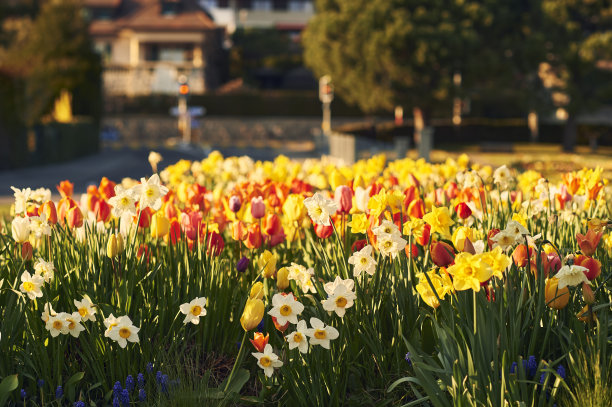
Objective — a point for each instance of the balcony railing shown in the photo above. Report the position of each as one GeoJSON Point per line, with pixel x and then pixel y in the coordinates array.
{"type": "Point", "coordinates": [151, 78]}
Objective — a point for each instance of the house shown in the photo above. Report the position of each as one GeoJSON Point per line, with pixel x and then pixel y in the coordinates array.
{"type": "Point", "coordinates": [146, 45]}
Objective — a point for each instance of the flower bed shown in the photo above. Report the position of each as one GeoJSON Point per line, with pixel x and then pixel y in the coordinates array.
{"type": "Point", "coordinates": [400, 283]}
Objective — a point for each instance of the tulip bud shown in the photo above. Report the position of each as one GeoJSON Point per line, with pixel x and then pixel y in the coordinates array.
{"type": "Point", "coordinates": [593, 266]}
{"type": "Point", "coordinates": [145, 218]}
{"type": "Point", "coordinates": [257, 291]}
{"type": "Point", "coordinates": [411, 250]}
{"type": "Point", "coordinates": [111, 248]}
{"type": "Point", "coordinates": [239, 230]}
{"type": "Point", "coordinates": [102, 210]}
{"type": "Point", "coordinates": [282, 278]}
{"type": "Point", "coordinates": [242, 264]}
{"type": "Point", "coordinates": [120, 243]}
{"type": "Point", "coordinates": [520, 255]}
{"type": "Point", "coordinates": [463, 211]}
{"type": "Point", "coordinates": [106, 188]}
{"type": "Point", "coordinates": [260, 341]}
{"type": "Point", "coordinates": [74, 217]}
{"type": "Point", "coordinates": [160, 225]}
{"type": "Point", "coordinates": [554, 297]}
{"type": "Point", "coordinates": [442, 254]}
{"type": "Point", "coordinates": [322, 231]}
{"type": "Point", "coordinates": [490, 235]}
{"type": "Point", "coordinates": [65, 188]}
{"type": "Point", "coordinates": [587, 293]}
{"type": "Point", "coordinates": [253, 313]}
{"type": "Point", "coordinates": [281, 328]}
{"type": "Point", "coordinates": [253, 239]}
{"type": "Point", "coordinates": [235, 203]}
{"type": "Point", "coordinates": [266, 263]}
{"type": "Point", "coordinates": [468, 247]}
{"type": "Point", "coordinates": [344, 198]}
{"type": "Point", "coordinates": [336, 179]}
{"type": "Point", "coordinates": [258, 207]}
{"type": "Point", "coordinates": [21, 229]}
{"type": "Point", "coordinates": [215, 244]}
{"type": "Point", "coordinates": [358, 245]}
{"type": "Point", "coordinates": [48, 208]}
{"type": "Point", "coordinates": [416, 209]}
{"type": "Point", "coordinates": [26, 251]}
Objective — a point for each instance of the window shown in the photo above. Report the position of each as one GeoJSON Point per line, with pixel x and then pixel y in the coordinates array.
{"type": "Point", "coordinates": [209, 4]}
{"type": "Point", "coordinates": [262, 5]}
{"type": "Point", "coordinates": [300, 5]}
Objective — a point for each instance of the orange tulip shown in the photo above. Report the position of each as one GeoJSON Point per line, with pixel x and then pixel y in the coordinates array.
{"type": "Point", "coordinates": [260, 341]}
{"type": "Point", "coordinates": [175, 232]}
{"type": "Point", "coordinates": [48, 208]}
{"type": "Point", "coordinates": [593, 266]}
{"type": "Point", "coordinates": [463, 211]}
{"type": "Point", "coordinates": [64, 205]}
{"type": "Point", "coordinates": [26, 251]}
{"type": "Point", "coordinates": [74, 217]}
{"type": "Point", "coordinates": [588, 244]}
{"type": "Point", "coordinates": [521, 255]}
{"type": "Point", "coordinates": [65, 188]}
{"type": "Point", "coordinates": [106, 188]}
{"type": "Point", "coordinates": [239, 230]}
{"type": "Point", "coordinates": [102, 210]}
{"type": "Point", "coordinates": [322, 231]}
{"type": "Point", "coordinates": [554, 297]}
{"type": "Point", "coordinates": [416, 209]}
{"type": "Point", "coordinates": [253, 240]}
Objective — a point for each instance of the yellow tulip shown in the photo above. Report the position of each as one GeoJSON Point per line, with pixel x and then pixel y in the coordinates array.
{"type": "Point", "coordinates": [282, 278]}
{"type": "Point", "coordinates": [111, 247]}
{"type": "Point", "coordinates": [555, 298]}
{"type": "Point", "coordinates": [257, 291]}
{"type": "Point", "coordinates": [294, 208]}
{"type": "Point", "coordinates": [267, 264]}
{"type": "Point", "coordinates": [253, 314]}
{"type": "Point", "coordinates": [160, 225]}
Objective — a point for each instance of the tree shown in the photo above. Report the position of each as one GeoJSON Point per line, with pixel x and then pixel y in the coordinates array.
{"type": "Point", "coordinates": [579, 44]}
{"type": "Point", "coordinates": [52, 53]}
{"type": "Point", "coordinates": [382, 53]}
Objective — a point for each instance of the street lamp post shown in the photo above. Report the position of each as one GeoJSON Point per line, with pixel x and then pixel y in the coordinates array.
{"type": "Point", "coordinates": [184, 121]}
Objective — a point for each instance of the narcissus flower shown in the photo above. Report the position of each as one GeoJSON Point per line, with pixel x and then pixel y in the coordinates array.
{"type": "Point", "coordinates": [46, 269]}
{"type": "Point", "coordinates": [267, 360]}
{"type": "Point", "coordinates": [193, 310]}
{"type": "Point", "coordinates": [441, 283]}
{"type": "Point", "coordinates": [150, 192]}
{"type": "Point", "coordinates": [320, 208]}
{"type": "Point", "coordinates": [390, 245]}
{"type": "Point", "coordinates": [124, 331]}
{"type": "Point", "coordinates": [440, 221]}
{"type": "Point", "coordinates": [572, 276]}
{"type": "Point", "coordinates": [285, 308]}
{"type": "Point", "coordinates": [340, 296]}
{"type": "Point", "coordinates": [86, 309]}
{"type": "Point", "coordinates": [56, 325]}
{"type": "Point", "coordinates": [363, 261]}
{"type": "Point", "coordinates": [298, 338]}
{"type": "Point", "coordinates": [73, 323]}
{"type": "Point", "coordinates": [321, 334]}
{"type": "Point", "coordinates": [358, 223]}
{"type": "Point", "coordinates": [469, 271]}
{"type": "Point", "coordinates": [30, 285]}
{"type": "Point", "coordinates": [123, 201]}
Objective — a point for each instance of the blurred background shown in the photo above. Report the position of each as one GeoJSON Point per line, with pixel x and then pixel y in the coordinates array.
{"type": "Point", "coordinates": [107, 78]}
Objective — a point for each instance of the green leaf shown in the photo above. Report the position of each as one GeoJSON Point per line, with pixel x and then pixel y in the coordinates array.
{"type": "Point", "coordinates": [69, 387]}
{"type": "Point", "coordinates": [7, 385]}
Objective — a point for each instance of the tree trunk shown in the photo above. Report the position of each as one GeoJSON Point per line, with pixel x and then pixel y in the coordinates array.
{"type": "Point", "coordinates": [570, 134]}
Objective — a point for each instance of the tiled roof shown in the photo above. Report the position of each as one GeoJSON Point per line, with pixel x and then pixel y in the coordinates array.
{"type": "Point", "coordinates": [141, 15]}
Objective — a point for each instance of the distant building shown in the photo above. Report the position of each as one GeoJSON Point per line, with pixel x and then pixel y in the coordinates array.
{"type": "Point", "coordinates": [147, 44]}
{"type": "Point", "coordinates": [283, 15]}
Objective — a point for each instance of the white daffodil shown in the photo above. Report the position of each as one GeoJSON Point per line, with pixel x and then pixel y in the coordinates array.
{"type": "Point", "coordinates": [194, 310]}
{"type": "Point", "coordinates": [110, 323]}
{"type": "Point", "coordinates": [363, 261]}
{"type": "Point", "coordinates": [306, 283]}
{"type": "Point", "coordinates": [22, 196]}
{"type": "Point", "coordinates": [85, 309]}
{"type": "Point", "coordinates": [515, 228]}
{"type": "Point", "coordinates": [56, 324]}
{"type": "Point", "coordinates": [30, 285]}
{"type": "Point", "coordinates": [124, 331]}
{"type": "Point", "coordinates": [340, 298]}
{"type": "Point", "coordinates": [387, 228]}
{"type": "Point", "coordinates": [73, 323]}
{"type": "Point", "coordinates": [320, 208]}
{"type": "Point", "coordinates": [47, 312]}
{"type": "Point", "coordinates": [41, 195]}
{"type": "Point", "coordinates": [39, 226]}
{"type": "Point", "coordinates": [502, 177]}
{"type": "Point", "coordinates": [20, 228]}
{"type": "Point", "coordinates": [45, 269]}
{"type": "Point", "coordinates": [571, 276]}
{"type": "Point", "coordinates": [267, 360]}
{"type": "Point", "coordinates": [390, 245]}
{"type": "Point", "coordinates": [331, 286]}
{"type": "Point", "coordinates": [150, 192]}
{"type": "Point", "coordinates": [122, 202]}
{"type": "Point", "coordinates": [320, 334]}
{"type": "Point", "coordinates": [504, 240]}
{"type": "Point", "coordinates": [285, 308]}
{"type": "Point", "coordinates": [298, 338]}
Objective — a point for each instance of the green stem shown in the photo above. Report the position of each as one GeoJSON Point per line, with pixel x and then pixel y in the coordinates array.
{"type": "Point", "coordinates": [237, 362]}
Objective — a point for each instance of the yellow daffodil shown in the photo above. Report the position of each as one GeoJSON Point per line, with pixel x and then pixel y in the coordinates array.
{"type": "Point", "coordinates": [440, 221]}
